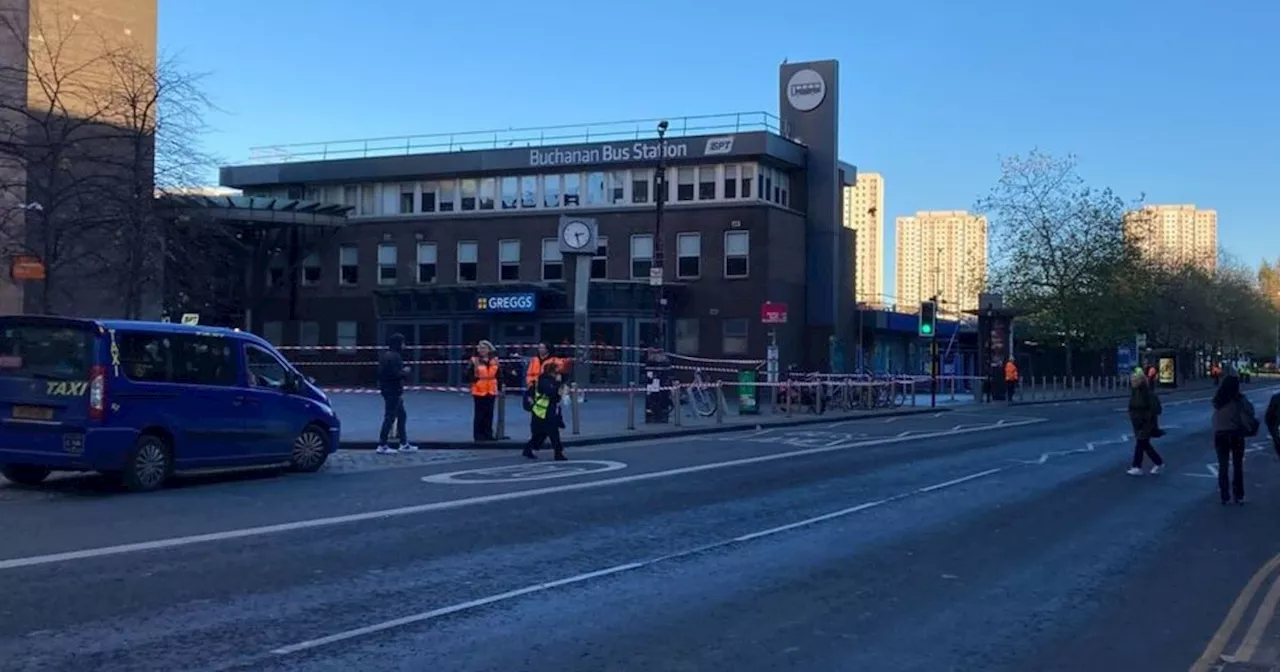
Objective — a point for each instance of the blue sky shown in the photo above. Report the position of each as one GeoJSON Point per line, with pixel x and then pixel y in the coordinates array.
{"type": "Point", "coordinates": [1173, 99]}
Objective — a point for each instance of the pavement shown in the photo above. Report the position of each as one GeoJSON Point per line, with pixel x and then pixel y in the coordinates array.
{"type": "Point", "coordinates": [442, 420]}
{"type": "Point", "coordinates": [989, 538]}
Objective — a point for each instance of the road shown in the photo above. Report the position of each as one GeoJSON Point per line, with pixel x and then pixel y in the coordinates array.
{"type": "Point", "coordinates": [1001, 538]}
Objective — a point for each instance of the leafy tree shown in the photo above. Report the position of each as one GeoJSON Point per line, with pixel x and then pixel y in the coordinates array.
{"type": "Point", "coordinates": [1059, 251]}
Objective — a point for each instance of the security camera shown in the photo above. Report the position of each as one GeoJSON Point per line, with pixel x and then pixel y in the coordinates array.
{"type": "Point", "coordinates": [662, 126]}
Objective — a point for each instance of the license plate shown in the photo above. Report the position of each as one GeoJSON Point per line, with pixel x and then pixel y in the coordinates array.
{"type": "Point", "coordinates": [32, 413]}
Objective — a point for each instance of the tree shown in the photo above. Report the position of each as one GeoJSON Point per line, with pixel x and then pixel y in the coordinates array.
{"type": "Point", "coordinates": [108, 123]}
{"type": "Point", "coordinates": [161, 109]}
{"type": "Point", "coordinates": [52, 127]}
{"type": "Point", "coordinates": [1059, 250]}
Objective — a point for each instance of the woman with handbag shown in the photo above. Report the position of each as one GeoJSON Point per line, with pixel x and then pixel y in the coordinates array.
{"type": "Point", "coordinates": [1144, 414]}
{"type": "Point", "coordinates": [1234, 419]}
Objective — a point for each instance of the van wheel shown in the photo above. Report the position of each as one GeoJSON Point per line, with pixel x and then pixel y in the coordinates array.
{"type": "Point", "coordinates": [310, 450]}
{"type": "Point", "coordinates": [149, 465]}
{"type": "Point", "coordinates": [25, 474]}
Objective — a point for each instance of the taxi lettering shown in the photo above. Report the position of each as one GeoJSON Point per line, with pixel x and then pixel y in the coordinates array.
{"type": "Point", "coordinates": [66, 388]}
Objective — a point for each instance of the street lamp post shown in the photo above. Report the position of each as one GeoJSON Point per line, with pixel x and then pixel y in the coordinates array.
{"type": "Point", "coordinates": [656, 270]}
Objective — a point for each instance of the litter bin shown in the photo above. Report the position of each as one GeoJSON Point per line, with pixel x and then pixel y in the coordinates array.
{"type": "Point", "coordinates": [748, 393]}
{"type": "Point", "coordinates": [657, 402]}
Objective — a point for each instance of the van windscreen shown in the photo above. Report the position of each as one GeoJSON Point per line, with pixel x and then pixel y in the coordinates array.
{"type": "Point", "coordinates": [47, 352]}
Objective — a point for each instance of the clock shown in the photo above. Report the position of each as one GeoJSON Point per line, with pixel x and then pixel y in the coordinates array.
{"type": "Point", "coordinates": [576, 235]}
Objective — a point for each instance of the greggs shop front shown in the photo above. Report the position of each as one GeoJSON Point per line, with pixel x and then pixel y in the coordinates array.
{"type": "Point", "coordinates": [444, 324]}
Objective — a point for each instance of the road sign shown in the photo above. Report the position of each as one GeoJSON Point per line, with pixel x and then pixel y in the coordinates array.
{"type": "Point", "coordinates": [772, 312]}
{"type": "Point", "coordinates": [191, 319]}
{"type": "Point", "coordinates": [1141, 341]}
{"type": "Point", "coordinates": [655, 277]}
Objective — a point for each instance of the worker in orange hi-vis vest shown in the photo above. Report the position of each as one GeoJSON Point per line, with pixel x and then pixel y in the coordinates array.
{"type": "Point", "coordinates": [1010, 379]}
{"type": "Point", "coordinates": [483, 372]}
{"type": "Point", "coordinates": [538, 364]}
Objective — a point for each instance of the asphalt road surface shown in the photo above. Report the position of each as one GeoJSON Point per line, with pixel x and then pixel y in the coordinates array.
{"type": "Point", "coordinates": [1001, 538]}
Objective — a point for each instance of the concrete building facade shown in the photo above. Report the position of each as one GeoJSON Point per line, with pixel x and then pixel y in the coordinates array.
{"type": "Point", "coordinates": [864, 214]}
{"type": "Point", "coordinates": [941, 253]}
{"type": "Point", "coordinates": [1176, 234]}
{"type": "Point", "coordinates": [442, 228]}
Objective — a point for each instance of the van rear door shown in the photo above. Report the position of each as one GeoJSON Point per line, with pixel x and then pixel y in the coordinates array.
{"type": "Point", "coordinates": [47, 371]}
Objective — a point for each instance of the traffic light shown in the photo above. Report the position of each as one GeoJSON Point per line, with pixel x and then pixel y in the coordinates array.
{"type": "Point", "coordinates": [928, 319]}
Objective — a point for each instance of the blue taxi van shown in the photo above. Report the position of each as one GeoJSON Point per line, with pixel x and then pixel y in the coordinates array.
{"type": "Point", "coordinates": [143, 400]}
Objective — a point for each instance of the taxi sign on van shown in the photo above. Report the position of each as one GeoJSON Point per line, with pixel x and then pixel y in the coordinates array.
{"type": "Point", "coordinates": [191, 319]}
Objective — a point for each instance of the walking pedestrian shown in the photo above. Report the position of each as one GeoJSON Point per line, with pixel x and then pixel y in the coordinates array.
{"type": "Point", "coordinates": [483, 372]}
{"type": "Point", "coordinates": [391, 375]}
{"type": "Point", "coordinates": [1234, 420]}
{"type": "Point", "coordinates": [538, 364]}
{"type": "Point", "coordinates": [1144, 415]}
{"type": "Point", "coordinates": [545, 419]}
{"type": "Point", "coordinates": [1010, 379]}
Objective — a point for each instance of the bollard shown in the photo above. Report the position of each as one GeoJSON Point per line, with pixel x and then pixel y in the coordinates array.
{"type": "Point", "coordinates": [631, 405]}
{"type": "Point", "coordinates": [819, 398]}
{"type": "Point", "coordinates": [911, 388]}
{"type": "Point", "coordinates": [721, 403]}
{"type": "Point", "coordinates": [953, 388]}
{"type": "Point", "coordinates": [675, 405]}
{"type": "Point", "coordinates": [788, 398]}
{"type": "Point", "coordinates": [573, 408]}
{"type": "Point", "coordinates": [501, 416]}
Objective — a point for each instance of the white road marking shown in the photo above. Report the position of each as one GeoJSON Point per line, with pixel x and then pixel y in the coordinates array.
{"type": "Point", "coordinates": [175, 542]}
{"type": "Point", "coordinates": [1090, 447]}
{"type": "Point", "coordinates": [1213, 468]}
{"type": "Point", "coordinates": [610, 571]}
{"type": "Point", "coordinates": [523, 473]}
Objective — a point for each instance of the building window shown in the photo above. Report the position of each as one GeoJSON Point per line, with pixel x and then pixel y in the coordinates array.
{"type": "Point", "coordinates": [596, 189]}
{"type": "Point", "coordinates": [508, 260]}
{"type": "Point", "coordinates": [468, 256]}
{"type": "Point", "coordinates": [572, 189]}
{"type": "Point", "coordinates": [510, 193]}
{"type": "Point", "coordinates": [551, 191]}
{"type": "Point", "coordinates": [447, 195]}
{"type": "Point", "coordinates": [309, 334]}
{"type": "Point", "coordinates": [688, 255]}
{"type": "Point", "coordinates": [387, 264]}
{"type": "Point", "coordinates": [552, 260]}
{"type": "Point", "coordinates": [600, 261]}
{"type": "Point", "coordinates": [706, 183]}
{"type": "Point", "coordinates": [430, 193]}
{"type": "Point", "coordinates": [762, 190]}
{"type": "Point", "coordinates": [737, 252]}
{"type": "Point", "coordinates": [784, 184]}
{"type": "Point", "coordinates": [488, 192]}
{"type": "Point", "coordinates": [273, 333]}
{"type": "Point", "coordinates": [770, 191]}
{"type": "Point", "coordinates": [731, 181]}
{"type": "Point", "coordinates": [618, 187]}
{"type": "Point", "coordinates": [348, 265]}
{"type": "Point", "coordinates": [348, 335]}
{"type": "Point", "coordinates": [529, 191]}
{"type": "Point", "coordinates": [406, 199]}
{"type": "Point", "coordinates": [640, 185]}
{"type": "Point", "coordinates": [351, 195]}
{"type": "Point", "coordinates": [684, 183]}
{"type": "Point", "coordinates": [747, 170]}
{"type": "Point", "coordinates": [734, 340]}
{"type": "Point", "coordinates": [687, 336]}
{"type": "Point", "coordinates": [311, 270]}
{"type": "Point", "coordinates": [427, 260]}
{"type": "Point", "coordinates": [469, 188]}
{"type": "Point", "coordinates": [368, 202]}
{"type": "Point", "coordinates": [275, 271]}
{"type": "Point", "coordinates": [641, 256]}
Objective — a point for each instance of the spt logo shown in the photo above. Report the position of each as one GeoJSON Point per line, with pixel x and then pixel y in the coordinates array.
{"type": "Point", "coordinates": [717, 146]}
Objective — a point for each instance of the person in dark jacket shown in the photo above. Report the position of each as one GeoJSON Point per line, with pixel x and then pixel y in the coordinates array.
{"type": "Point", "coordinates": [1144, 414]}
{"type": "Point", "coordinates": [545, 421]}
{"type": "Point", "coordinates": [1272, 419]}
{"type": "Point", "coordinates": [391, 375]}
{"type": "Point", "coordinates": [1233, 419]}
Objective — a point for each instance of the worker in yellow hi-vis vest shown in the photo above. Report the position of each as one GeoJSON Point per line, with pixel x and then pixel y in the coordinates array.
{"type": "Point", "coordinates": [545, 421]}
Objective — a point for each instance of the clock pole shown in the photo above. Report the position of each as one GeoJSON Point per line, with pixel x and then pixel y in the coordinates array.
{"type": "Point", "coordinates": [656, 271]}
{"type": "Point", "coordinates": [579, 240]}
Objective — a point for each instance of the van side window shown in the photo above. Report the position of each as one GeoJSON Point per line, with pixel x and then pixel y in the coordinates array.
{"type": "Point", "coordinates": [264, 369]}
{"type": "Point", "coordinates": [177, 358]}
